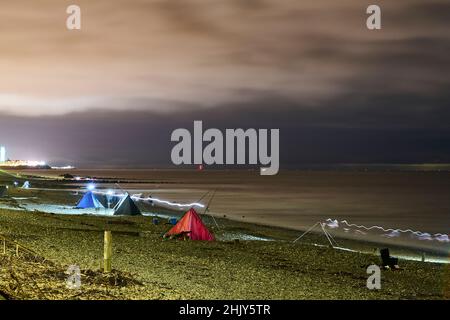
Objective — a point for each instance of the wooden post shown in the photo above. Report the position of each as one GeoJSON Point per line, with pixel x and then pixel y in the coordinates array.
{"type": "Point", "coordinates": [107, 252]}
{"type": "Point", "coordinates": [423, 256]}
{"type": "Point", "coordinates": [4, 246]}
{"type": "Point", "coordinates": [17, 250]}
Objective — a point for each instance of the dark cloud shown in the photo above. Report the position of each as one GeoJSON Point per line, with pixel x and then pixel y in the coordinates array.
{"type": "Point", "coordinates": [388, 129]}
{"type": "Point", "coordinates": [139, 69]}
{"type": "Point", "coordinates": [435, 12]}
{"type": "Point", "coordinates": [205, 52]}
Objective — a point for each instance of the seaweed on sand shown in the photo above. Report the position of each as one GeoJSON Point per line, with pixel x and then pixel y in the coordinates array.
{"type": "Point", "coordinates": [30, 278]}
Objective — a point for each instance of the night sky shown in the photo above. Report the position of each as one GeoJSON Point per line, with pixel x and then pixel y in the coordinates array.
{"type": "Point", "coordinates": [113, 92]}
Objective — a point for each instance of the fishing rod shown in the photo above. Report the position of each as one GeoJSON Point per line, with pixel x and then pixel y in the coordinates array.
{"type": "Point", "coordinates": [204, 195]}
{"type": "Point", "coordinates": [207, 208]}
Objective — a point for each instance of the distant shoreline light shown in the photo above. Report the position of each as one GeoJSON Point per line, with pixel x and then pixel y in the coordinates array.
{"type": "Point", "coordinates": [23, 163]}
{"type": "Point", "coordinates": [63, 168]}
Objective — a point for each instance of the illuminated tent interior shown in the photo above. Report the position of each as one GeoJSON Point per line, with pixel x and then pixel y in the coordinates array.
{"type": "Point", "coordinates": [191, 226]}
{"type": "Point", "coordinates": [89, 200]}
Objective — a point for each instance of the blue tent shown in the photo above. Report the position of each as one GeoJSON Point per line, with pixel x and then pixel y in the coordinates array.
{"type": "Point", "coordinates": [89, 200]}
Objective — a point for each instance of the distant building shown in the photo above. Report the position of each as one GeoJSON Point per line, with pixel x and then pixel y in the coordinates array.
{"type": "Point", "coordinates": [20, 164]}
{"type": "Point", "coordinates": [2, 154]}
{"type": "Point", "coordinates": [24, 164]}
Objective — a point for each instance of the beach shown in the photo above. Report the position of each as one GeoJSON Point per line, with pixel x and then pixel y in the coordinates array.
{"type": "Point", "coordinates": [256, 222]}
{"type": "Point", "coordinates": [414, 200]}
{"type": "Point", "coordinates": [147, 267]}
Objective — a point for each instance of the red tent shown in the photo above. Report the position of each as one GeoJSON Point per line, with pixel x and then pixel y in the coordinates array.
{"type": "Point", "coordinates": [192, 226]}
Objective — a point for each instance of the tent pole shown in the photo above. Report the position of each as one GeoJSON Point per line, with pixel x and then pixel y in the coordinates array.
{"type": "Point", "coordinates": [326, 235]}
{"type": "Point", "coordinates": [121, 188]}
{"type": "Point", "coordinates": [331, 237]}
{"type": "Point", "coordinates": [307, 231]}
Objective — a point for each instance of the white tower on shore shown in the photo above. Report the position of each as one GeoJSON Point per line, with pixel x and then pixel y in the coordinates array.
{"type": "Point", "coordinates": [2, 154]}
